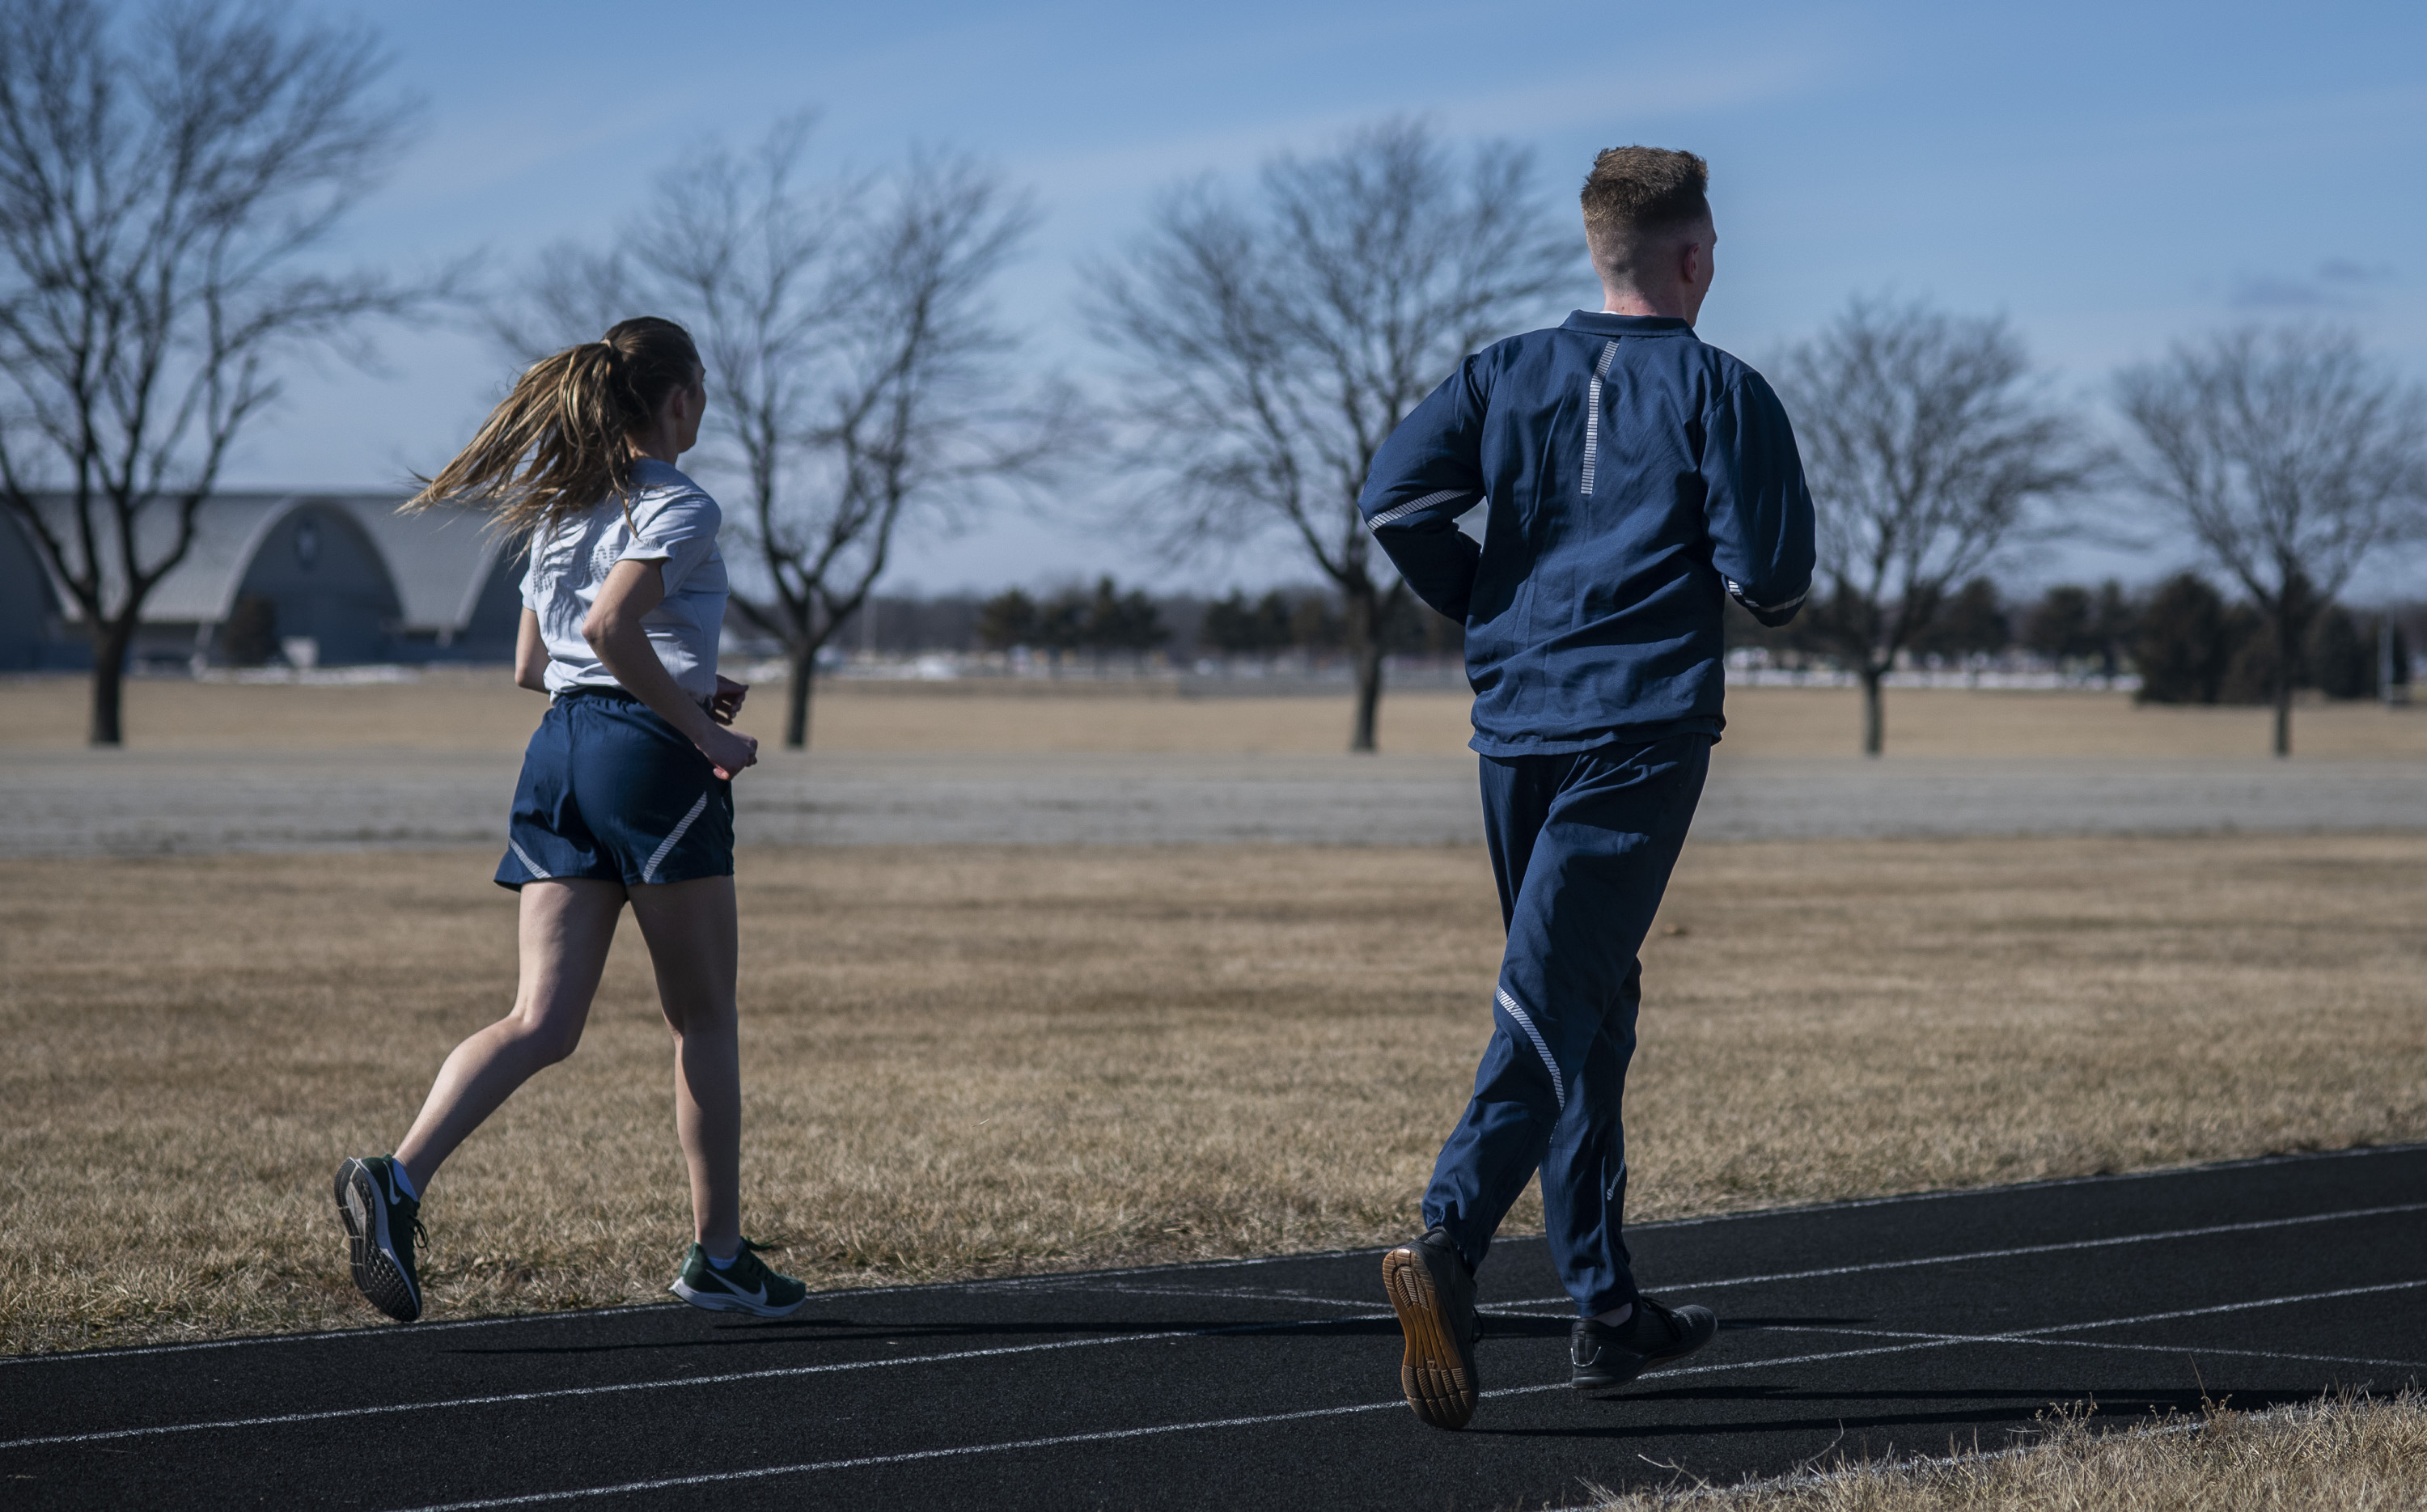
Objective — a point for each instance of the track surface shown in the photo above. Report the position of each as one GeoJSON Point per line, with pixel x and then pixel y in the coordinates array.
{"type": "Point", "coordinates": [1894, 1327]}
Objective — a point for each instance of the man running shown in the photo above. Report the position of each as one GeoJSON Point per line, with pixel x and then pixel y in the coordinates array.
{"type": "Point", "coordinates": [1637, 478]}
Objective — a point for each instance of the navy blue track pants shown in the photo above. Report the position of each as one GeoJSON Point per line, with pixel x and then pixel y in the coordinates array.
{"type": "Point", "coordinates": [1582, 845]}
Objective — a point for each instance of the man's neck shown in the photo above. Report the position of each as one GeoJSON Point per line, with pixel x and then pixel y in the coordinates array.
{"type": "Point", "coordinates": [1630, 302]}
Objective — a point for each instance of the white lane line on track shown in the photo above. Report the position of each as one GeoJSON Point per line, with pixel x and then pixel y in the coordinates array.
{"type": "Point", "coordinates": [1105, 1436]}
{"type": "Point", "coordinates": [580, 1315]}
{"type": "Point", "coordinates": [1508, 1308]}
{"type": "Point", "coordinates": [562, 1393]}
{"type": "Point", "coordinates": [1025, 1282]}
{"type": "Point", "coordinates": [2251, 1227]}
{"type": "Point", "coordinates": [2085, 1343]}
{"type": "Point", "coordinates": [99, 1356]}
{"type": "Point", "coordinates": [1239, 1293]}
{"type": "Point", "coordinates": [1078, 1279]}
{"type": "Point", "coordinates": [911, 1456]}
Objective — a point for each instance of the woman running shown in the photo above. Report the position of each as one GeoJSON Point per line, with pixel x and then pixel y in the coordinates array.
{"type": "Point", "coordinates": [626, 789]}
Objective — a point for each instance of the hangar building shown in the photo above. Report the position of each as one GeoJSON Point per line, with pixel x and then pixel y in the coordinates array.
{"type": "Point", "coordinates": [325, 579]}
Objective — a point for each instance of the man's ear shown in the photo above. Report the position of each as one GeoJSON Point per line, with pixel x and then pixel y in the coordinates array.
{"type": "Point", "coordinates": [1694, 261]}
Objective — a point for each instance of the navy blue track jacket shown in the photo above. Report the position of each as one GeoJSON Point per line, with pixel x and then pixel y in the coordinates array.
{"type": "Point", "coordinates": [1635, 476]}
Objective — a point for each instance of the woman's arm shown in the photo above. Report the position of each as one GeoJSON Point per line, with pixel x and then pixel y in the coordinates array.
{"type": "Point", "coordinates": [613, 630]}
{"type": "Point", "coordinates": [530, 655]}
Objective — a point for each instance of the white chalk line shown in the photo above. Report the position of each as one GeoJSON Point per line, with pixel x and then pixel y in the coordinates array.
{"type": "Point", "coordinates": [1023, 1282]}
{"type": "Point", "coordinates": [778, 1373]}
{"type": "Point", "coordinates": [1516, 1308]}
{"type": "Point", "coordinates": [1105, 1435]}
{"type": "Point", "coordinates": [1076, 1279]}
{"type": "Point", "coordinates": [2011, 1252]}
{"type": "Point", "coordinates": [867, 1461]}
{"type": "Point", "coordinates": [1229, 1293]}
{"type": "Point", "coordinates": [90, 1356]}
{"type": "Point", "coordinates": [2045, 1184]}
{"type": "Point", "coordinates": [2087, 1343]}
{"type": "Point", "coordinates": [563, 1393]}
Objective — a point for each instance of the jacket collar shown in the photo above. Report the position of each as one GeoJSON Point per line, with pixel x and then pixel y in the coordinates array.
{"type": "Point", "coordinates": [1597, 323]}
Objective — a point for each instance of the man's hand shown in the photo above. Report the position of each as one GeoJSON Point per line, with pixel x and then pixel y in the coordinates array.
{"type": "Point", "coordinates": [727, 702]}
{"type": "Point", "coordinates": [728, 751]}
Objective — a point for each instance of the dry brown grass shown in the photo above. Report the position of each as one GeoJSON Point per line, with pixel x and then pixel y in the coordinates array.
{"type": "Point", "coordinates": [483, 711]}
{"type": "Point", "coordinates": [2354, 1455]}
{"type": "Point", "coordinates": [968, 1063]}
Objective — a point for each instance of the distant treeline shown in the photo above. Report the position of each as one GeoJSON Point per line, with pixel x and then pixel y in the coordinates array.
{"type": "Point", "coordinates": [2186, 641]}
{"type": "Point", "coordinates": [1105, 620]}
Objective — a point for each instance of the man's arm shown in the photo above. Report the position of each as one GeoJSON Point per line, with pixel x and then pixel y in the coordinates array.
{"type": "Point", "coordinates": [1758, 509]}
{"type": "Point", "coordinates": [1427, 474]}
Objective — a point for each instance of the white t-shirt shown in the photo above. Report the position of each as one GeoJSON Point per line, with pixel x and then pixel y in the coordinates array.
{"type": "Point", "coordinates": [677, 526]}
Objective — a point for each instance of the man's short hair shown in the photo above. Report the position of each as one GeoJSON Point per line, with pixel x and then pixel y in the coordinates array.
{"type": "Point", "coordinates": [1633, 192]}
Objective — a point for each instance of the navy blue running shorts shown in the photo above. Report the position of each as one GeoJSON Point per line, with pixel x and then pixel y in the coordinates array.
{"type": "Point", "coordinates": [610, 790]}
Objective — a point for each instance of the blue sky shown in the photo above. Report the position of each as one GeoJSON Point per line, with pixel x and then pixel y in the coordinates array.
{"type": "Point", "coordinates": [2112, 177]}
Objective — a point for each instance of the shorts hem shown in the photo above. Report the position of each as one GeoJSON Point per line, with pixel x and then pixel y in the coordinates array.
{"type": "Point", "coordinates": [516, 885]}
{"type": "Point", "coordinates": [667, 874]}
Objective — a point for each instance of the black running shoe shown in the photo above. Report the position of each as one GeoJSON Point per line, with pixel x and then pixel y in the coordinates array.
{"type": "Point", "coordinates": [382, 1223]}
{"type": "Point", "coordinates": [1604, 1356]}
{"type": "Point", "coordinates": [747, 1285]}
{"type": "Point", "coordinates": [1433, 1292]}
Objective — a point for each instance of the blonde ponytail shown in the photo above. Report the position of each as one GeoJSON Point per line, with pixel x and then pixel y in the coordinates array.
{"type": "Point", "coordinates": [559, 443]}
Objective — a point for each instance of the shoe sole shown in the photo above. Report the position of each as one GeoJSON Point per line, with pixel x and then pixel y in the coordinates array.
{"type": "Point", "coordinates": [727, 1302]}
{"type": "Point", "coordinates": [1436, 1373]}
{"type": "Point", "coordinates": [378, 1272]}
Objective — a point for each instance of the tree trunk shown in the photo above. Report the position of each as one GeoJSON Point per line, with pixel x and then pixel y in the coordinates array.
{"type": "Point", "coordinates": [2286, 660]}
{"type": "Point", "coordinates": [109, 679]}
{"type": "Point", "coordinates": [1875, 724]}
{"type": "Point", "coordinates": [802, 683]}
{"type": "Point", "coordinates": [1369, 699]}
{"type": "Point", "coordinates": [1365, 650]}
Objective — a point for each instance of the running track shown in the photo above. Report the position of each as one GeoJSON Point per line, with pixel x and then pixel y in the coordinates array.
{"type": "Point", "coordinates": [1894, 1327]}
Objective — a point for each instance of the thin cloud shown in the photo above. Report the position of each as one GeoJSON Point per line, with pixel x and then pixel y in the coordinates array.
{"type": "Point", "coordinates": [479, 152]}
{"type": "Point", "coordinates": [1586, 99]}
{"type": "Point", "coordinates": [2333, 285]}
{"type": "Point", "coordinates": [2343, 270]}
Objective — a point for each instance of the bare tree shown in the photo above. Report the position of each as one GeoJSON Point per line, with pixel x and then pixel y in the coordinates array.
{"type": "Point", "coordinates": [1928, 445]}
{"type": "Point", "coordinates": [1273, 345]}
{"type": "Point", "coordinates": [859, 376]}
{"type": "Point", "coordinates": [2289, 455]}
{"type": "Point", "coordinates": [161, 186]}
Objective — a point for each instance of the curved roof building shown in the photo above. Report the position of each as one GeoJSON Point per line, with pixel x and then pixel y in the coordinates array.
{"type": "Point", "coordinates": [312, 579]}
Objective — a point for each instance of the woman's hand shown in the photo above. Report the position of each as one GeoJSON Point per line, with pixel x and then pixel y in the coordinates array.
{"type": "Point", "coordinates": [728, 751]}
{"type": "Point", "coordinates": [727, 702]}
{"type": "Point", "coordinates": [612, 627]}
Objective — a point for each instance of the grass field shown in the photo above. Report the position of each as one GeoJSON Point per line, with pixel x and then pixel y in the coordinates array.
{"type": "Point", "coordinates": [971, 1063]}
{"type": "Point", "coordinates": [2351, 1455]}
{"type": "Point", "coordinates": [483, 711]}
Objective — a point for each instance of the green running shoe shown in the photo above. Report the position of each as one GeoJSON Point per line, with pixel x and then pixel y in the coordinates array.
{"type": "Point", "coordinates": [748, 1285]}
{"type": "Point", "coordinates": [382, 1223]}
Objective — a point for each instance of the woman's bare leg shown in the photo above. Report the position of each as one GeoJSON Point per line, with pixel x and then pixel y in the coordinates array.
{"type": "Point", "coordinates": [694, 946]}
{"type": "Point", "coordinates": [567, 926]}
